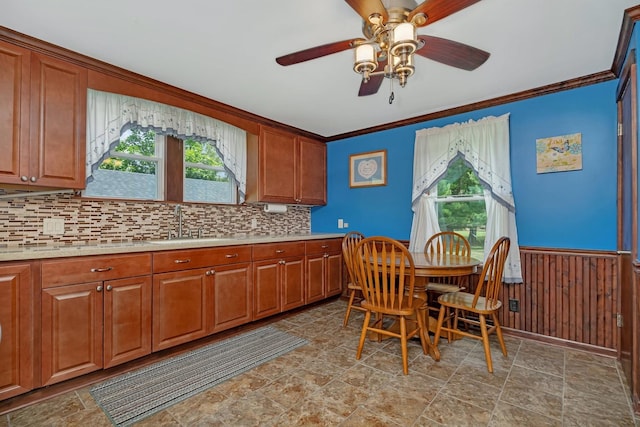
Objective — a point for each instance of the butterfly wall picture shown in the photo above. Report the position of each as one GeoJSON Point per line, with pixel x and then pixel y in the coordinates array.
{"type": "Point", "coordinates": [559, 153]}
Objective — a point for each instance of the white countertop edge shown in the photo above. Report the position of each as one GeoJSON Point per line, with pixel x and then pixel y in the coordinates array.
{"type": "Point", "coordinates": [23, 253]}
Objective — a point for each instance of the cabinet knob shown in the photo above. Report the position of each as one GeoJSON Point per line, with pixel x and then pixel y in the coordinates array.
{"type": "Point", "coordinates": [99, 289]}
{"type": "Point", "coordinates": [182, 261]}
{"type": "Point", "coordinates": [109, 287]}
{"type": "Point", "coordinates": [34, 179]}
{"type": "Point", "coordinates": [282, 261]}
{"type": "Point", "coordinates": [24, 178]}
{"type": "Point", "coordinates": [210, 273]}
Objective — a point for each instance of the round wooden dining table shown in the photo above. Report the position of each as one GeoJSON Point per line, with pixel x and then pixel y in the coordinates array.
{"type": "Point", "coordinates": [439, 265]}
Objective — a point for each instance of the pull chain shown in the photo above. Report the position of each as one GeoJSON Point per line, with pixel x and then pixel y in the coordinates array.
{"type": "Point", "coordinates": [392, 96]}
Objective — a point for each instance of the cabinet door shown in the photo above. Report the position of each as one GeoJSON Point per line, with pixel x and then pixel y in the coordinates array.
{"type": "Point", "coordinates": [266, 280]}
{"type": "Point", "coordinates": [127, 320]}
{"type": "Point", "coordinates": [315, 278]}
{"type": "Point", "coordinates": [277, 179]}
{"type": "Point", "coordinates": [57, 123]}
{"type": "Point", "coordinates": [179, 307]}
{"type": "Point", "coordinates": [71, 331]}
{"type": "Point", "coordinates": [334, 274]}
{"type": "Point", "coordinates": [14, 111]}
{"type": "Point", "coordinates": [16, 319]}
{"type": "Point", "coordinates": [312, 172]}
{"type": "Point", "coordinates": [292, 283]}
{"type": "Point", "coordinates": [232, 296]}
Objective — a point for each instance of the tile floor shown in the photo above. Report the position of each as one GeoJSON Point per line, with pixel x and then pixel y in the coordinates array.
{"type": "Point", "coordinates": [322, 384]}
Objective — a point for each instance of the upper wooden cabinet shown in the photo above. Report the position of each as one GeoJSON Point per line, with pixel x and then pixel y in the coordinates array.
{"type": "Point", "coordinates": [43, 119]}
{"type": "Point", "coordinates": [285, 168]}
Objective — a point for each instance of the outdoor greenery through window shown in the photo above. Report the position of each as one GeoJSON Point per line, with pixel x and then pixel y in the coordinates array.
{"type": "Point", "coordinates": [134, 170]}
{"type": "Point", "coordinates": [460, 205]}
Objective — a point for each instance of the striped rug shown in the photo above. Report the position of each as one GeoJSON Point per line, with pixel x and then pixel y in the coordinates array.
{"type": "Point", "coordinates": [135, 395]}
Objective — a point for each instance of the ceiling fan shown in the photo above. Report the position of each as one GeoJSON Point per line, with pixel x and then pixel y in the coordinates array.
{"type": "Point", "coordinates": [389, 28]}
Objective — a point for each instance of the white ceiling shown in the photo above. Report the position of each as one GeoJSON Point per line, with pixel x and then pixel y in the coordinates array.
{"type": "Point", "coordinates": [226, 50]}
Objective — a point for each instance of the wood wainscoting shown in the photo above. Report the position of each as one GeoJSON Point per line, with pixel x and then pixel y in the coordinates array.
{"type": "Point", "coordinates": [570, 295]}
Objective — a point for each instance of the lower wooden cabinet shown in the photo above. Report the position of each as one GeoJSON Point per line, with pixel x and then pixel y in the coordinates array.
{"type": "Point", "coordinates": [324, 269]}
{"type": "Point", "coordinates": [95, 313]}
{"type": "Point", "coordinates": [232, 291]}
{"type": "Point", "coordinates": [16, 320]}
{"type": "Point", "coordinates": [180, 306]}
{"type": "Point", "coordinates": [94, 325]}
{"type": "Point", "coordinates": [278, 277]}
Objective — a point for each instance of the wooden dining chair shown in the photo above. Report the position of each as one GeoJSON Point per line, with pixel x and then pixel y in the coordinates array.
{"type": "Point", "coordinates": [386, 271]}
{"type": "Point", "coordinates": [442, 244]}
{"type": "Point", "coordinates": [349, 242]}
{"type": "Point", "coordinates": [483, 303]}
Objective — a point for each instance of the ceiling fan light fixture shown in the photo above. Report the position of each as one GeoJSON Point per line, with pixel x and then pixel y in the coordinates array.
{"type": "Point", "coordinates": [365, 60]}
{"type": "Point", "coordinates": [404, 39]}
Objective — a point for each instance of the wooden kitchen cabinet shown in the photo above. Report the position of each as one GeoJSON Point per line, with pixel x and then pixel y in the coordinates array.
{"type": "Point", "coordinates": [93, 314]}
{"type": "Point", "coordinates": [324, 269]}
{"type": "Point", "coordinates": [285, 168]}
{"type": "Point", "coordinates": [17, 322]}
{"type": "Point", "coordinates": [199, 291]}
{"type": "Point", "coordinates": [278, 277]}
{"type": "Point", "coordinates": [43, 131]}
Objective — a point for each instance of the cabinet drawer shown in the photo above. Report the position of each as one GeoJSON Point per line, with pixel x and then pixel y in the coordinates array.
{"type": "Point", "coordinates": [94, 269]}
{"type": "Point", "coordinates": [199, 258]}
{"type": "Point", "coordinates": [278, 250]}
{"type": "Point", "coordinates": [324, 246]}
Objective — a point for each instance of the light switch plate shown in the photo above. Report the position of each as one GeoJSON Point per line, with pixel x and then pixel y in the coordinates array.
{"type": "Point", "coordinates": [53, 226]}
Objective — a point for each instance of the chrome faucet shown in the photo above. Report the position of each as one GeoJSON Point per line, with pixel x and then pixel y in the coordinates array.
{"type": "Point", "coordinates": [177, 212]}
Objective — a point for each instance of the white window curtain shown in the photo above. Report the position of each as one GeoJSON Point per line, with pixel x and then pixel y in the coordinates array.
{"type": "Point", "coordinates": [484, 144]}
{"type": "Point", "coordinates": [108, 114]}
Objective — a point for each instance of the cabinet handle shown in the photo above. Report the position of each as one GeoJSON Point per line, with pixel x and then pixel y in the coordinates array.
{"type": "Point", "coordinates": [34, 179]}
{"type": "Point", "coordinates": [280, 251]}
{"type": "Point", "coordinates": [24, 178]}
{"type": "Point", "coordinates": [210, 273]}
{"type": "Point", "coordinates": [99, 289]}
{"type": "Point", "coordinates": [325, 246]}
{"type": "Point", "coordinates": [231, 255]}
{"type": "Point", "coordinates": [109, 287]}
{"type": "Point", "coordinates": [181, 261]}
{"type": "Point", "coordinates": [101, 270]}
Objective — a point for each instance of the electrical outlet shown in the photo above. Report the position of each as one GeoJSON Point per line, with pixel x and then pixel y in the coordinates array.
{"type": "Point", "coordinates": [254, 223]}
{"type": "Point", "coordinates": [340, 223]}
{"type": "Point", "coordinates": [514, 305]}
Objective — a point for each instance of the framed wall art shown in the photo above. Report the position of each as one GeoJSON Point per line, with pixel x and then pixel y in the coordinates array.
{"type": "Point", "coordinates": [368, 169]}
{"type": "Point", "coordinates": [559, 153]}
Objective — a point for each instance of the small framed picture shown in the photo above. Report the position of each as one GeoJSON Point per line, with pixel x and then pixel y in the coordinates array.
{"type": "Point", "coordinates": [368, 169]}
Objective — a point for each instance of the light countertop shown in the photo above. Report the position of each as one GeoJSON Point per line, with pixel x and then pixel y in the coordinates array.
{"type": "Point", "coordinates": [19, 253]}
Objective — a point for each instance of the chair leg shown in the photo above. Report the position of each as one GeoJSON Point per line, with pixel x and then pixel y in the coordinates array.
{"type": "Point", "coordinates": [439, 327]}
{"type": "Point", "coordinates": [499, 333]}
{"type": "Point", "coordinates": [421, 315]}
{"type": "Point", "coordinates": [403, 344]}
{"type": "Point", "coordinates": [352, 296]}
{"type": "Point", "coordinates": [363, 334]}
{"type": "Point", "coordinates": [485, 342]}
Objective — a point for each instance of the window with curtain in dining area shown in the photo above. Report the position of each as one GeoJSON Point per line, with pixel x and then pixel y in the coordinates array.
{"type": "Point", "coordinates": [483, 146]}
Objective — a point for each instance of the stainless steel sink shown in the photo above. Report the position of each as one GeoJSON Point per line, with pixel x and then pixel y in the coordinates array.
{"type": "Point", "coordinates": [201, 240]}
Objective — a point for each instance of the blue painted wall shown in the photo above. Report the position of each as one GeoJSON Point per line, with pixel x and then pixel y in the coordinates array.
{"type": "Point", "coordinates": [573, 210]}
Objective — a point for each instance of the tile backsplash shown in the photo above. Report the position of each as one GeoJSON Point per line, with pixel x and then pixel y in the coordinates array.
{"type": "Point", "coordinates": [92, 221]}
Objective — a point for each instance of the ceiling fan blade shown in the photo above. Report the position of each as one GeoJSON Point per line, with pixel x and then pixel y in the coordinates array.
{"type": "Point", "coordinates": [452, 53]}
{"type": "Point", "coordinates": [366, 8]}
{"type": "Point", "coordinates": [374, 83]}
{"type": "Point", "coordinates": [438, 9]}
{"type": "Point", "coordinates": [317, 52]}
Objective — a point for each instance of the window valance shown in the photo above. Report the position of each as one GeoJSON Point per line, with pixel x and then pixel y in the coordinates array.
{"type": "Point", "coordinates": [108, 114]}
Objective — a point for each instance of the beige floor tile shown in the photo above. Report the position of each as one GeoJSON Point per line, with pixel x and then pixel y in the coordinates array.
{"type": "Point", "coordinates": [323, 384]}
